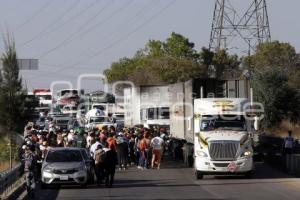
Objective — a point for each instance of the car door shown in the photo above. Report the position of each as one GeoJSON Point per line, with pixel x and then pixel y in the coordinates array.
{"type": "Point", "coordinates": [89, 164]}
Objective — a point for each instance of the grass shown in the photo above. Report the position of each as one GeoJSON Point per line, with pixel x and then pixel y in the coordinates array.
{"type": "Point", "coordinates": [4, 165]}
{"type": "Point", "coordinates": [4, 153]}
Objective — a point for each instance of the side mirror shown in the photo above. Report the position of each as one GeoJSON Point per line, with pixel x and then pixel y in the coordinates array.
{"type": "Point", "coordinates": [88, 162]}
{"type": "Point", "coordinates": [256, 123]}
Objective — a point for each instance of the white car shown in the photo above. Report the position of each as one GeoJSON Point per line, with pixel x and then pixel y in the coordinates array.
{"type": "Point", "coordinates": [65, 166]}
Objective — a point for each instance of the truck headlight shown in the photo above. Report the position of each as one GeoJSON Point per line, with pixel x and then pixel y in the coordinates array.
{"type": "Point", "coordinates": [201, 153]}
{"type": "Point", "coordinates": [247, 154]}
{"type": "Point", "coordinates": [47, 174]}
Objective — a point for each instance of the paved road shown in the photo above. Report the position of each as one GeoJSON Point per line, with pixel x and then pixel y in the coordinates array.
{"type": "Point", "coordinates": [176, 182]}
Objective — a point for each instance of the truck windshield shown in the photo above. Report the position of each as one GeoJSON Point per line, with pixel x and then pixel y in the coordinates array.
{"type": "Point", "coordinates": [223, 122]}
{"type": "Point", "coordinates": [98, 119]}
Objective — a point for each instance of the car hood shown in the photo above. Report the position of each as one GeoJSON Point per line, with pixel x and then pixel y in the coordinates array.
{"type": "Point", "coordinates": [64, 165]}
{"type": "Point", "coordinates": [210, 136]}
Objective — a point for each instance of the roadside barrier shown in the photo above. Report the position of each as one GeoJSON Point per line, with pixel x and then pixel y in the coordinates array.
{"type": "Point", "coordinates": [293, 164]}
{"type": "Point", "coordinates": [11, 181]}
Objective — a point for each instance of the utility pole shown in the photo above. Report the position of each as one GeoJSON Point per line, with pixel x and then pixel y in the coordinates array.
{"type": "Point", "coordinates": [246, 31]}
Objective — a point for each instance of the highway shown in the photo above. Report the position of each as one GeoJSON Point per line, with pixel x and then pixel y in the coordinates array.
{"type": "Point", "coordinates": [174, 181]}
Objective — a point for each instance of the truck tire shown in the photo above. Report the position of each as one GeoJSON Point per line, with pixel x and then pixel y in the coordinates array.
{"type": "Point", "coordinates": [249, 174]}
{"type": "Point", "coordinates": [44, 186]}
{"type": "Point", "coordinates": [199, 175]}
{"type": "Point", "coordinates": [190, 161]}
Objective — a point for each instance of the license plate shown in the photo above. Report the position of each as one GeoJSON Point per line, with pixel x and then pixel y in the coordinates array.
{"type": "Point", "coordinates": [63, 178]}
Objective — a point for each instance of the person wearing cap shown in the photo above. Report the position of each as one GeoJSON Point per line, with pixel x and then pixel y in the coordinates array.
{"type": "Point", "coordinates": [29, 161]}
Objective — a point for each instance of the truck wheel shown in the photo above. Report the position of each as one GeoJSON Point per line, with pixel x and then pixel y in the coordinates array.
{"type": "Point", "coordinates": [44, 186]}
{"type": "Point", "coordinates": [84, 185]}
{"type": "Point", "coordinates": [190, 161]}
{"type": "Point", "coordinates": [249, 174]}
{"type": "Point", "coordinates": [199, 175]}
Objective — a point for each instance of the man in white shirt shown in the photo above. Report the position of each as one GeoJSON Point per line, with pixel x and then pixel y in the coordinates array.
{"type": "Point", "coordinates": [289, 142]}
{"type": "Point", "coordinates": [94, 147]}
{"type": "Point", "coordinates": [288, 146]}
{"type": "Point", "coordinates": [157, 144]}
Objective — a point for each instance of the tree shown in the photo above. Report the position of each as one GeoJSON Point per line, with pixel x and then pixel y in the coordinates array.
{"type": "Point", "coordinates": [276, 82]}
{"type": "Point", "coordinates": [294, 79]}
{"type": "Point", "coordinates": [12, 93]}
{"type": "Point", "coordinates": [159, 62]}
{"type": "Point", "coordinates": [280, 101]}
{"type": "Point", "coordinates": [273, 54]}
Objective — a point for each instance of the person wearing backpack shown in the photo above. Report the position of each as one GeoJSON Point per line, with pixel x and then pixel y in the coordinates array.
{"type": "Point", "coordinates": [29, 160]}
{"type": "Point", "coordinates": [99, 163]}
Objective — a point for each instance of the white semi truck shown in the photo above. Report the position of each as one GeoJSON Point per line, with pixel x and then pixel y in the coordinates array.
{"type": "Point", "coordinates": [222, 136]}
{"type": "Point", "coordinates": [216, 131]}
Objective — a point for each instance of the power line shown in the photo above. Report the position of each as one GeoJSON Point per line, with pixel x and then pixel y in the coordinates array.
{"type": "Point", "coordinates": [72, 18]}
{"type": "Point", "coordinates": [73, 5]}
{"type": "Point", "coordinates": [75, 36]}
{"type": "Point", "coordinates": [146, 8]}
{"type": "Point", "coordinates": [120, 39]}
{"type": "Point", "coordinates": [125, 36]}
{"type": "Point", "coordinates": [37, 13]}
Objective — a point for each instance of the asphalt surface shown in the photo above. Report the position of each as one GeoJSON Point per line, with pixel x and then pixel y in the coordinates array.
{"type": "Point", "coordinates": [174, 182]}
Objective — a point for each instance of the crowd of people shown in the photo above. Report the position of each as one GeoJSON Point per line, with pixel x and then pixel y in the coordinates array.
{"type": "Point", "coordinates": [109, 149]}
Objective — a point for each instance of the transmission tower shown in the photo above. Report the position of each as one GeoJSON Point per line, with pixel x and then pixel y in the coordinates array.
{"type": "Point", "coordinates": [231, 30]}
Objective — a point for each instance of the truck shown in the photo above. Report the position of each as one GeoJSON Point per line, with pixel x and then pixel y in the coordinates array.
{"type": "Point", "coordinates": [222, 136]}
{"type": "Point", "coordinates": [211, 118]}
{"type": "Point", "coordinates": [68, 96]}
{"type": "Point", "coordinates": [147, 105]}
{"type": "Point", "coordinates": [96, 118]}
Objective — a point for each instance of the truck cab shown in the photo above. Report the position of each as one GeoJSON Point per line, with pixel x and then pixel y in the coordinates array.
{"type": "Point", "coordinates": [222, 137]}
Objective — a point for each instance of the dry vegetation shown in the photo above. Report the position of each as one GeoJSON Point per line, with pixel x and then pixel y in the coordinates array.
{"type": "Point", "coordinates": [284, 127]}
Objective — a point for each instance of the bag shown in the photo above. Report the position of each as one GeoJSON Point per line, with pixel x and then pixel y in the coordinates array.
{"type": "Point", "coordinates": [99, 156]}
{"type": "Point", "coordinates": [28, 163]}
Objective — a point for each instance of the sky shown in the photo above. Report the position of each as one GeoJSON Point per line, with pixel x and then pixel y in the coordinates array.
{"type": "Point", "coordinates": [75, 37]}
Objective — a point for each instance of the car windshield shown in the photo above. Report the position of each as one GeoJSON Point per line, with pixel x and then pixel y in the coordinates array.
{"type": "Point", "coordinates": [69, 92]}
{"type": "Point", "coordinates": [64, 156]}
{"type": "Point", "coordinates": [98, 119]}
{"type": "Point", "coordinates": [224, 122]}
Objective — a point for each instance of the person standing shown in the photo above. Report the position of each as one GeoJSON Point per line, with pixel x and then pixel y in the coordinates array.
{"type": "Point", "coordinates": [288, 146]}
{"type": "Point", "coordinates": [157, 144]}
{"type": "Point", "coordinates": [110, 162]}
{"type": "Point", "coordinates": [99, 163]}
{"type": "Point", "coordinates": [29, 159]}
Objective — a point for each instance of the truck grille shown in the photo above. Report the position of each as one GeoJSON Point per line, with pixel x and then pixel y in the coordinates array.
{"type": "Point", "coordinates": [223, 150]}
